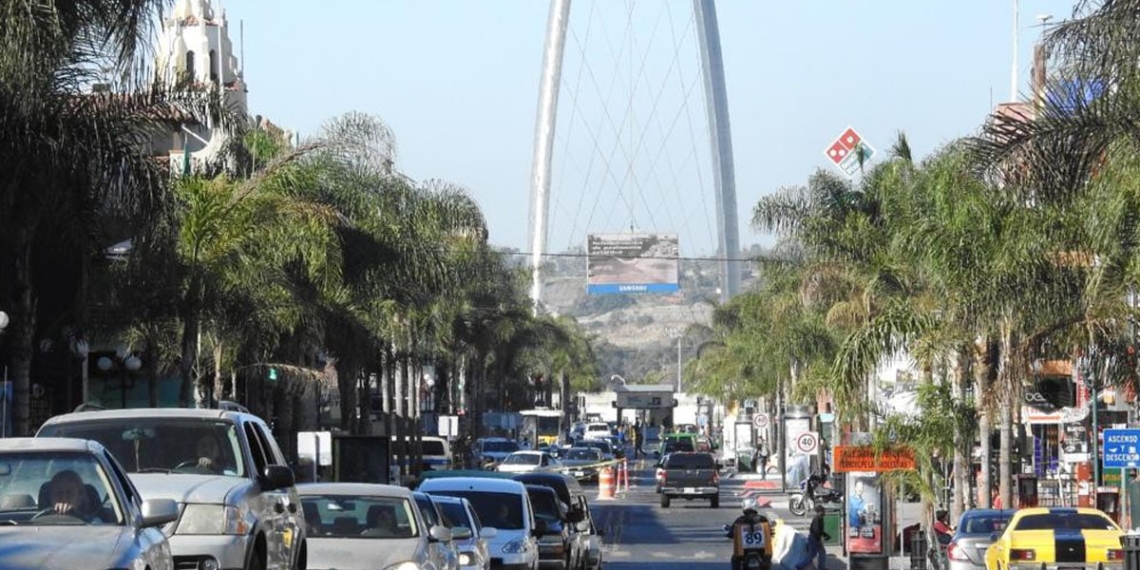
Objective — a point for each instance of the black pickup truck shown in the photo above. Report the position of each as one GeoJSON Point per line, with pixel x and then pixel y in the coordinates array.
{"type": "Point", "coordinates": [688, 476]}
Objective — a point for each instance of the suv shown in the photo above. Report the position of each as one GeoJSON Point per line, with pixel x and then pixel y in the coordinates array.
{"type": "Point", "coordinates": [238, 507]}
{"type": "Point", "coordinates": [688, 476]}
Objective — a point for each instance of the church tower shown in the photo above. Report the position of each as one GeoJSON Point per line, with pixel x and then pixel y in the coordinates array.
{"type": "Point", "coordinates": [194, 51]}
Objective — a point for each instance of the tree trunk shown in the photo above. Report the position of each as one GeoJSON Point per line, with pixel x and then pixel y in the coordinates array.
{"type": "Point", "coordinates": [219, 389]}
{"type": "Point", "coordinates": [23, 335]}
{"type": "Point", "coordinates": [1006, 377]}
{"type": "Point", "coordinates": [151, 361]}
{"type": "Point", "coordinates": [982, 380]}
{"type": "Point", "coordinates": [189, 355]}
{"type": "Point", "coordinates": [346, 376]}
{"type": "Point", "coordinates": [401, 413]}
{"type": "Point", "coordinates": [963, 442]}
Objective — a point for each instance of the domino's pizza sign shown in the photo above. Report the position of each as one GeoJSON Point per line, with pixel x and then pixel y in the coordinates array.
{"type": "Point", "coordinates": [848, 150]}
{"type": "Point", "coordinates": [1121, 448]}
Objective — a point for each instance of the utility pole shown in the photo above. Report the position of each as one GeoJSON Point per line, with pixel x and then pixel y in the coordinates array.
{"type": "Point", "coordinates": [678, 334]}
{"type": "Point", "coordinates": [1013, 67]}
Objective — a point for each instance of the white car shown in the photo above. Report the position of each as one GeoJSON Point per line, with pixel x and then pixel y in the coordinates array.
{"type": "Point", "coordinates": [362, 526]}
{"type": "Point", "coordinates": [107, 523]}
{"type": "Point", "coordinates": [501, 504]}
{"type": "Point", "coordinates": [597, 430]}
{"type": "Point", "coordinates": [529, 461]}
{"type": "Point", "coordinates": [469, 535]}
{"type": "Point", "coordinates": [494, 449]}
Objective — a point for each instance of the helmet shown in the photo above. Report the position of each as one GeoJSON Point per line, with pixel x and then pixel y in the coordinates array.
{"type": "Point", "coordinates": [749, 505]}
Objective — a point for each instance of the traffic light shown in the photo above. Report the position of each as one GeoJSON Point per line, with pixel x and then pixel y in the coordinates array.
{"type": "Point", "coordinates": [272, 374]}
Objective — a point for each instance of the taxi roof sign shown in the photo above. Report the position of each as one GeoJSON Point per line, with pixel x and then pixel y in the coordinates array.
{"type": "Point", "coordinates": [864, 458]}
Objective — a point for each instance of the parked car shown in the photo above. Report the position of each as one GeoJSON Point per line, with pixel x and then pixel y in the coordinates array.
{"type": "Point", "coordinates": [109, 524]}
{"type": "Point", "coordinates": [467, 533]}
{"type": "Point", "coordinates": [444, 553]}
{"type": "Point", "coordinates": [238, 505]}
{"type": "Point", "coordinates": [1055, 537]}
{"type": "Point", "coordinates": [526, 461]}
{"type": "Point", "coordinates": [504, 505]}
{"type": "Point", "coordinates": [967, 548]}
{"type": "Point", "coordinates": [363, 526]}
{"type": "Point", "coordinates": [582, 463]}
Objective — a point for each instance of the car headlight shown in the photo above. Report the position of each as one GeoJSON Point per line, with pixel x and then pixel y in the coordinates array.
{"type": "Point", "coordinates": [516, 546]}
{"type": "Point", "coordinates": [213, 519]}
{"type": "Point", "coordinates": [404, 566]}
{"type": "Point", "coordinates": [466, 559]}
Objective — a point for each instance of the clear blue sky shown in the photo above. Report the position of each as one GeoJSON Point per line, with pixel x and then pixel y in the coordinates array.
{"type": "Point", "coordinates": [457, 80]}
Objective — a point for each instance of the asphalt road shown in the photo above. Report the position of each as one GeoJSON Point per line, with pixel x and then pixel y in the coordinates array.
{"type": "Point", "coordinates": [688, 535]}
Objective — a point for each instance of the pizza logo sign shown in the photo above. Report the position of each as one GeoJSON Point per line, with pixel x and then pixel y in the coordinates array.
{"type": "Point", "coordinates": [846, 150]}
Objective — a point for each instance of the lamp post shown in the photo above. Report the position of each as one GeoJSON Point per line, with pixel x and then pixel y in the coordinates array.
{"type": "Point", "coordinates": [1094, 378]}
{"type": "Point", "coordinates": [677, 334]}
{"type": "Point", "coordinates": [126, 362]}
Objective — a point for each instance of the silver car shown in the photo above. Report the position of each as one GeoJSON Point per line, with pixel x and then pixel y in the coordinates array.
{"type": "Point", "coordinates": [239, 508]}
{"type": "Point", "coordinates": [967, 548]}
{"type": "Point", "coordinates": [361, 526]}
{"type": "Point", "coordinates": [469, 534]}
{"type": "Point", "coordinates": [66, 503]}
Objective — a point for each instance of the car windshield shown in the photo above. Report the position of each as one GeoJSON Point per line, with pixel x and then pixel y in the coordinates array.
{"type": "Point", "coordinates": [358, 516]}
{"type": "Point", "coordinates": [500, 446]}
{"type": "Point", "coordinates": [42, 488]}
{"type": "Point", "coordinates": [164, 444]}
{"type": "Point", "coordinates": [678, 445]}
{"type": "Point", "coordinates": [431, 447]}
{"type": "Point", "coordinates": [500, 510]}
{"type": "Point", "coordinates": [583, 453]}
{"type": "Point", "coordinates": [1064, 520]}
{"type": "Point", "coordinates": [983, 524]}
{"type": "Point", "coordinates": [522, 459]}
{"type": "Point", "coordinates": [545, 504]}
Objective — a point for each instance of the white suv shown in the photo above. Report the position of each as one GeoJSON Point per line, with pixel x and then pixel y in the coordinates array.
{"type": "Point", "coordinates": [503, 505]}
{"type": "Point", "coordinates": [238, 507]}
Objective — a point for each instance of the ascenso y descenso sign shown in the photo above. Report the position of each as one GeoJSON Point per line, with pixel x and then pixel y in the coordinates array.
{"type": "Point", "coordinates": [863, 458]}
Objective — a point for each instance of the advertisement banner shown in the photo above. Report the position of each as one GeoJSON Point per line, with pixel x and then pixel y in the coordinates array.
{"type": "Point", "coordinates": [864, 513]}
{"type": "Point", "coordinates": [632, 263]}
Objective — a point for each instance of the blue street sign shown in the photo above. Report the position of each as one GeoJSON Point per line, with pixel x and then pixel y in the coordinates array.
{"type": "Point", "coordinates": [1121, 448]}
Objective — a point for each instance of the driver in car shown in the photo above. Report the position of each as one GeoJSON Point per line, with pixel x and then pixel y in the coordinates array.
{"type": "Point", "coordinates": [68, 496]}
{"type": "Point", "coordinates": [210, 454]}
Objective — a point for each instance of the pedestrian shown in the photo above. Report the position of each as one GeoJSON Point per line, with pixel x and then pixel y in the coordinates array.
{"type": "Point", "coordinates": [762, 456]}
{"type": "Point", "coordinates": [816, 536]}
{"type": "Point", "coordinates": [637, 440]}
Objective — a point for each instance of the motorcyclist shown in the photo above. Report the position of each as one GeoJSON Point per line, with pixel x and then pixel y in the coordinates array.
{"type": "Point", "coordinates": [751, 518]}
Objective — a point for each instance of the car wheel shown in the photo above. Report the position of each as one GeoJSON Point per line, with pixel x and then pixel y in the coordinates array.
{"type": "Point", "coordinates": [715, 501]}
{"type": "Point", "coordinates": [302, 558]}
{"type": "Point", "coordinates": [257, 561]}
{"type": "Point", "coordinates": [664, 501]}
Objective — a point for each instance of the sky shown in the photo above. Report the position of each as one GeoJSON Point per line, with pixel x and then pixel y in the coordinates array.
{"type": "Point", "coordinates": [457, 81]}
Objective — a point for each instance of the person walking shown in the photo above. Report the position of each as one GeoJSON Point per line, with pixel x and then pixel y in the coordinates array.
{"type": "Point", "coordinates": [816, 536]}
{"type": "Point", "coordinates": [637, 440]}
{"type": "Point", "coordinates": [762, 458]}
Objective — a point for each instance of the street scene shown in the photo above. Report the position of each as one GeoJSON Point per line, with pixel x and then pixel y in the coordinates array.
{"type": "Point", "coordinates": [569, 285]}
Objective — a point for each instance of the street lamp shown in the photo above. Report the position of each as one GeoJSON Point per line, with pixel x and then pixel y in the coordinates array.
{"type": "Point", "coordinates": [126, 362]}
{"type": "Point", "coordinates": [677, 334]}
{"type": "Point", "coordinates": [1094, 379]}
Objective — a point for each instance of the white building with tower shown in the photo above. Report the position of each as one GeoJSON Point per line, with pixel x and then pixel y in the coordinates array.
{"type": "Point", "coordinates": [195, 52]}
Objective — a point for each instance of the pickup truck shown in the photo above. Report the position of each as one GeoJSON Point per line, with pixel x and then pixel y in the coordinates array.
{"type": "Point", "coordinates": [688, 475]}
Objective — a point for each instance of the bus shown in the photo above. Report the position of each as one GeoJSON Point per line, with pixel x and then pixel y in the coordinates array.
{"type": "Point", "coordinates": [541, 425]}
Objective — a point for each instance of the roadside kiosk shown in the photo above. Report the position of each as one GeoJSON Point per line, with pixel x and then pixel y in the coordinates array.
{"type": "Point", "coordinates": [869, 517]}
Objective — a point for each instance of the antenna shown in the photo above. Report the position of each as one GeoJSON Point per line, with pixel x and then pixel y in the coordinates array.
{"type": "Point", "coordinates": [1043, 19]}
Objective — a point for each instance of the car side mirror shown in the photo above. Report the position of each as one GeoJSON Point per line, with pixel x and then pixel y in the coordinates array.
{"type": "Point", "coordinates": [461, 533]}
{"type": "Point", "coordinates": [539, 528]}
{"type": "Point", "coordinates": [157, 512]}
{"type": "Point", "coordinates": [277, 477]}
{"type": "Point", "coordinates": [440, 533]}
{"type": "Point", "coordinates": [994, 536]}
{"type": "Point", "coordinates": [489, 532]}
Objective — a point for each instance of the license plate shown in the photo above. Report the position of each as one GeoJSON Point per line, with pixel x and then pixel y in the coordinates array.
{"type": "Point", "coordinates": [579, 473]}
{"type": "Point", "coordinates": [751, 539]}
{"type": "Point", "coordinates": [1070, 568]}
{"type": "Point", "coordinates": [690, 490]}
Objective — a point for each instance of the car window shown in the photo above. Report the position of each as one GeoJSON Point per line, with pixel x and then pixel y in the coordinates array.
{"type": "Point", "coordinates": [427, 510]}
{"type": "Point", "coordinates": [500, 446]}
{"type": "Point", "coordinates": [163, 444]}
{"type": "Point", "coordinates": [583, 453]}
{"type": "Point", "coordinates": [456, 515]}
{"type": "Point", "coordinates": [521, 459]}
{"type": "Point", "coordinates": [690, 461]}
{"type": "Point", "coordinates": [124, 482]}
{"type": "Point", "coordinates": [1064, 520]}
{"type": "Point", "coordinates": [268, 444]}
{"type": "Point", "coordinates": [983, 524]}
{"type": "Point", "coordinates": [503, 511]}
{"type": "Point", "coordinates": [33, 485]}
{"type": "Point", "coordinates": [356, 516]}
{"type": "Point", "coordinates": [260, 460]}
{"type": "Point", "coordinates": [432, 447]}
{"type": "Point", "coordinates": [546, 505]}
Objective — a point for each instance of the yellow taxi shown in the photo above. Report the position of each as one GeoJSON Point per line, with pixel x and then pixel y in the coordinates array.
{"type": "Point", "coordinates": [1055, 538]}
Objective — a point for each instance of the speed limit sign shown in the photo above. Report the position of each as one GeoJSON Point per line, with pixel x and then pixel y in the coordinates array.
{"type": "Point", "coordinates": [807, 442]}
{"type": "Point", "coordinates": [760, 421]}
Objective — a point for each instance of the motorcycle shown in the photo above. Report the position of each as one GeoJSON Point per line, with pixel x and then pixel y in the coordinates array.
{"type": "Point", "coordinates": [751, 544]}
{"type": "Point", "coordinates": [811, 493]}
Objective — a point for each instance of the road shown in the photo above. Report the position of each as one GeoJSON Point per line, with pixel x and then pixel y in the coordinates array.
{"type": "Point", "coordinates": [688, 535]}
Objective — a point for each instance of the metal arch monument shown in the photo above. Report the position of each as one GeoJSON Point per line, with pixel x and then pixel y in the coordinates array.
{"type": "Point", "coordinates": [720, 139]}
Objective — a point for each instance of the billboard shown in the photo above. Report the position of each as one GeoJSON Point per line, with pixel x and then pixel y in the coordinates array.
{"type": "Point", "coordinates": [632, 263]}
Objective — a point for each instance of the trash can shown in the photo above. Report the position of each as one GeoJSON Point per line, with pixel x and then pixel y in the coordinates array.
{"type": "Point", "coordinates": [1131, 544]}
{"type": "Point", "coordinates": [833, 526]}
{"type": "Point", "coordinates": [744, 460]}
{"type": "Point", "coordinates": [918, 550]}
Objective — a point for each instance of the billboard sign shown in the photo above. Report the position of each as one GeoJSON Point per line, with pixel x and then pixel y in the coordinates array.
{"type": "Point", "coordinates": [846, 151]}
{"type": "Point", "coordinates": [632, 263]}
